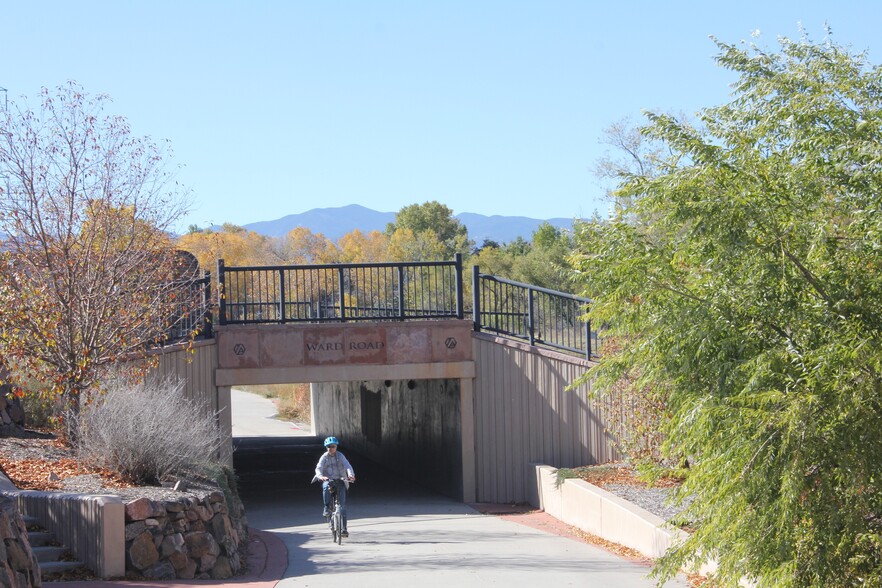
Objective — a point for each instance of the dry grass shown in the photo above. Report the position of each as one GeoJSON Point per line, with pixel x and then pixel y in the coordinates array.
{"type": "Point", "coordinates": [615, 473]}
{"type": "Point", "coordinates": [147, 431]}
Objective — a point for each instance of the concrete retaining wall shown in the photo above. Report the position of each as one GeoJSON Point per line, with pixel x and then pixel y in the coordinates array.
{"type": "Point", "coordinates": [596, 511]}
{"type": "Point", "coordinates": [600, 513]}
{"type": "Point", "coordinates": [91, 526]}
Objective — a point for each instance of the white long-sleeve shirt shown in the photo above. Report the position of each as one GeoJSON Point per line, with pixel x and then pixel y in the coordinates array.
{"type": "Point", "coordinates": [334, 466]}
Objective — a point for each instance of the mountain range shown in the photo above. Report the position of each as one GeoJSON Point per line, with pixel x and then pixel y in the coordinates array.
{"type": "Point", "coordinates": [333, 223]}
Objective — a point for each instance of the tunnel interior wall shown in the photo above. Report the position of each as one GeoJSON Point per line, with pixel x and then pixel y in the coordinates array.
{"type": "Point", "coordinates": [411, 427]}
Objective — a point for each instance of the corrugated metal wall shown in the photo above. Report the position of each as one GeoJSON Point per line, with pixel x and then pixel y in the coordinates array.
{"type": "Point", "coordinates": [524, 414]}
{"type": "Point", "coordinates": [196, 366]}
{"type": "Point", "coordinates": [93, 527]}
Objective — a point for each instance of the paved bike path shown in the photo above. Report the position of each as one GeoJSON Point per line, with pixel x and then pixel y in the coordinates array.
{"type": "Point", "coordinates": [409, 536]}
{"type": "Point", "coordinates": [256, 416]}
{"type": "Point", "coordinates": [401, 535]}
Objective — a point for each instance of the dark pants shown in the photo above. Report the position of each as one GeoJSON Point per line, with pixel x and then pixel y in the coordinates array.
{"type": "Point", "coordinates": [341, 497]}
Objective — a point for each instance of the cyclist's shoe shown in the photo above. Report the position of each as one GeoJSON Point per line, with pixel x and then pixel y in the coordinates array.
{"type": "Point", "coordinates": [326, 513]}
{"type": "Point", "coordinates": [344, 534]}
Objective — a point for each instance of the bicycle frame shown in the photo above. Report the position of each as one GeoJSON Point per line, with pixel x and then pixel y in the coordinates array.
{"type": "Point", "coordinates": [336, 519]}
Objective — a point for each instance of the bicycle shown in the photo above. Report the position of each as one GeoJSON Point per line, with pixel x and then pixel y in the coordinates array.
{"type": "Point", "coordinates": [335, 521]}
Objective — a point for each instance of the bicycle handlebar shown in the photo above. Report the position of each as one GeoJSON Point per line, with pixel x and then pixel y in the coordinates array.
{"type": "Point", "coordinates": [346, 481]}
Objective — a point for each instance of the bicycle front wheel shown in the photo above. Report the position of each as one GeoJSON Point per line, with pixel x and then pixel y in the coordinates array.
{"type": "Point", "coordinates": [338, 528]}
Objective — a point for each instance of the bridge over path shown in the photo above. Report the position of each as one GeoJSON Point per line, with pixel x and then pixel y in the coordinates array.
{"type": "Point", "coordinates": [398, 369]}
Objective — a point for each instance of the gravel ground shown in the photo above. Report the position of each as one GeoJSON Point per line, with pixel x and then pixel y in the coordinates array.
{"type": "Point", "coordinates": [93, 484]}
{"type": "Point", "coordinates": [655, 500]}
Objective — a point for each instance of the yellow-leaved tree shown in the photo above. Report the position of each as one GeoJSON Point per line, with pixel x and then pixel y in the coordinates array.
{"type": "Point", "coordinates": [88, 270]}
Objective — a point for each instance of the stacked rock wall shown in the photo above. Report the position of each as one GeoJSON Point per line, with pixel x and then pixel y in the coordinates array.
{"type": "Point", "coordinates": [186, 538]}
{"type": "Point", "coordinates": [18, 565]}
{"type": "Point", "coordinates": [12, 415]}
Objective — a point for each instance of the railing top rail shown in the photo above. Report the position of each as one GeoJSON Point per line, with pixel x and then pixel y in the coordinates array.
{"type": "Point", "coordinates": [314, 266]}
{"type": "Point", "coordinates": [535, 288]}
{"type": "Point", "coordinates": [205, 278]}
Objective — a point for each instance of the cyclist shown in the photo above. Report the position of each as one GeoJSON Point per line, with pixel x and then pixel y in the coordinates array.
{"type": "Point", "coordinates": [331, 467]}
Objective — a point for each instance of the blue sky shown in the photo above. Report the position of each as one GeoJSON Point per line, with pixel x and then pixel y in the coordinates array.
{"type": "Point", "coordinates": [493, 107]}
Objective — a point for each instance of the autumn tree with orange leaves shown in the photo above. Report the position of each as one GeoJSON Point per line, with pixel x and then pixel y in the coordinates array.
{"type": "Point", "coordinates": [87, 266]}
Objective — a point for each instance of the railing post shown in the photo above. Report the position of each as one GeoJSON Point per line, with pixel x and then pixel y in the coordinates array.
{"type": "Point", "coordinates": [221, 293]}
{"type": "Point", "coordinates": [459, 295]}
{"type": "Point", "coordinates": [587, 339]}
{"type": "Point", "coordinates": [206, 304]}
{"type": "Point", "coordinates": [342, 294]}
{"type": "Point", "coordinates": [400, 291]}
{"type": "Point", "coordinates": [530, 318]}
{"type": "Point", "coordinates": [476, 298]}
{"type": "Point", "coordinates": [282, 295]}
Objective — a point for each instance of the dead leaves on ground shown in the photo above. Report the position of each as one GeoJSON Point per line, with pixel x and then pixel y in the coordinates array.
{"type": "Point", "coordinates": [46, 473]}
{"type": "Point", "coordinates": [618, 473]}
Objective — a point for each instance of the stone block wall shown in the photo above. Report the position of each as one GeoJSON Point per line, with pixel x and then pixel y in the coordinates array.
{"type": "Point", "coordinates": [188, 538]}
{"type": "Point", "coordinates": [18, 564]}
{"type": "Point", "coordinates": [12, 416]}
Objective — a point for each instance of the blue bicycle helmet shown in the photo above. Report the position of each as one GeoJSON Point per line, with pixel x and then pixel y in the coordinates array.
{"type": "Point", "coordinates": [331, 441]}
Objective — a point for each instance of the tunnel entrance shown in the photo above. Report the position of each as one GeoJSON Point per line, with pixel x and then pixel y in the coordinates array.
{"type": "Point", "coordinates": [409, 429]}
{"type": "Point", "coordinates": [398, 393]}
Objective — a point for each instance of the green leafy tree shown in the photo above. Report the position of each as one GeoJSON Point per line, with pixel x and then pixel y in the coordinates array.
{"type": "Point", "coordinates": [495, 261]}
{"type": "Point", "coordinates": [545, 262]}
{"type": "Point", "coordinates": [434, 227]}
{"type": "Point", "coordinates": [519, 246]}
{"type": "Point", "coordinates": [753, 298]}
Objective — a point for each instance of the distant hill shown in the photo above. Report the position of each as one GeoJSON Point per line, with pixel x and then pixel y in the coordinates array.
{"type": "Point", "coordinates": [333, 223]}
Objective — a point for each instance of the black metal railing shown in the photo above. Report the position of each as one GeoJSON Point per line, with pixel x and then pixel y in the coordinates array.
{"type": "Point", "coordinates": [383, 291]}
{"type": "Point", "coordinates": [191, 309]}
{"type": "Point", "coordinates": [542, 317]}
{"type": "Point", "coordinates": [340, 292]}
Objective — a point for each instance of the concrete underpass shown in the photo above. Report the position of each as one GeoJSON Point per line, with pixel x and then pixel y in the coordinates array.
{"type": "Point", "coordinates": [462, 413]}
{"type": "Point", "coordinates": [274, 461]}
{"type": "Point", "coordinates": [393, 393]}
{"type": "Point", "coordinates": [405, 429]}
